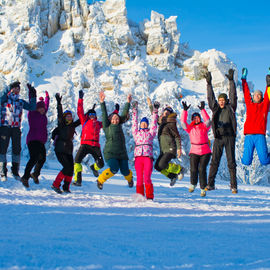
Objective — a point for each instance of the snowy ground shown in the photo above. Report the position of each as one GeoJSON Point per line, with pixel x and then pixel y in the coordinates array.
{"type": "Point", "coordinates": [114, 229]}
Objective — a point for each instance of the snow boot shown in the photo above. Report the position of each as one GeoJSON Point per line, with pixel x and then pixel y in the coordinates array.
{"type": "Point", "coordinates": [149, 192]}
{"type": "Point", "coordinates": [3, 171]}
{"type": "Point", "coordinates": [234, 191]}
{"type": "Point", "coordinates": [15, 170]}
{"type": "Point", "coordinates": [191, 188]}
{"type": "Point", "coordinates": [203, 193]}
{"type": "Point", "coordinates": [129, 178]}
{"type": "Point", "coordinates": [35, 178]}
{"type": "Point", "coordinates": [25, 182]}
{"type": "Point", "coordinates": [140, 189]}
{"type": "Point", "coordinates": [173, 178]}
{"type": "Point", "coordinates": [103, 177]}
{"type": "Point", "coordinates": [95, 169]}
{"type": "Point", "coordinates": [67, 182]}
{"type": "Point", "coordinates": [209, 188]}
{"type": "Point", "coordinates": [58, 180]}
{"type": "Point", "coordinates": [181, 173]}
{"type": "Point", "coordinates": [78, 174]}
{"type": "Point", "coordinates": [56, 189]}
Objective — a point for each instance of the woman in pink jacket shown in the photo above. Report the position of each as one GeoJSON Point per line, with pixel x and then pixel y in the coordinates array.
{"type": "Point", "coordinates": [200, 151]}
{"type": "Point", "coordinates": [143, 152]}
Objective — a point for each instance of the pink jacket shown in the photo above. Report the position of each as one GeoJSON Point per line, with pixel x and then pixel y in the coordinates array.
{"type": "Point", "coordinates": [144, 137]}
{"type": "Point", "coordinates": [198, 134]}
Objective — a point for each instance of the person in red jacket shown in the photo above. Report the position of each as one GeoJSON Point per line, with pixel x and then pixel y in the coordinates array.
{"type": "Point", "coordinates": [89, 141]}
{"type": "Point", "coordinates": [256, 121]}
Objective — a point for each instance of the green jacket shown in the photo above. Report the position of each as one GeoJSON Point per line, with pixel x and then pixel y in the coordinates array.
{"type": "Point", "coordinates": [168, 135]}
{"type": "Point", "coordinates": [115, 146]}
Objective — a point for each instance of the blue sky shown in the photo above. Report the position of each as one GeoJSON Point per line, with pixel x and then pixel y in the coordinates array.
{"type": "Point", "coordinates": [241, 29]}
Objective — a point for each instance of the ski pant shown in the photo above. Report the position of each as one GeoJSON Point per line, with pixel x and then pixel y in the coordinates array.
{"type": "Point", "coordinates": [163, 160]}
{"type": "Point", "coordinates": [13, 133]}
{"type": "Point", "coordinates": [219, 143]}
{"type": "Point", "coordinates": [37, 153]}
{"type": "Point", "coordinates": [257, 141]}
{"type": "Point", "coordinates": [116, 164]}
{"type": "Point", "coordinates": [144, 168]}
{"type": "Point", "coordinates": [86, 149]}
{"type": "Point", "coordinates": [67, 162]}
{"type": "Point", "coordinates": [198, 165]}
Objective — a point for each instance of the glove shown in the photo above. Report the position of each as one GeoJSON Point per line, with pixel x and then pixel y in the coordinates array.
{"type": "Point", "coordinates": [58, 98]}
{"type": "Point", "coordinates": [208, 77]}
{"type": "Point", "coordinates": [134, 104]}
{"type": "Point", "coordinates": [244, 74]}
{"type": "Point", "coordinates": [268, 80]}
{"type": "Point", "coordinates": [186, 107]}
{"type": "Point", "coordinates": [81, 94]}
{"type": "Point", "coordinates": [156, 105]}
{"type": "Point", "coordinates": [31, 90]}
{"type": "Point", "coordinates": [230, 75]}
{"type": "Point", "coordinates": [202, 105]}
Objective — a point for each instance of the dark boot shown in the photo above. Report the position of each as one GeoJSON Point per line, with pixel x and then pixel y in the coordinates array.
{"type": "Point", "coordinates": [173, 178]}
{"type": "Point", "coordinates": [78, 183]}
{"type": "Point", "coordinates": [35, 178]}
{"type": "Point", "coordinates": [25, 182]}
{"type": "Point", "coordinates": [15, 170]}
{"type": "Point", "coordinates": [95, 172]}
{"type": "Point", "coordinates": [66, 187]}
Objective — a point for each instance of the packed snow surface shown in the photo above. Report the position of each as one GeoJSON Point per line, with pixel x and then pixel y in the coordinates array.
{"type": "Point", "coordinates": [117, 229]}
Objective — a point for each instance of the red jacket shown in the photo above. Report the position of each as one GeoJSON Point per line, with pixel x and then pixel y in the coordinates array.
{"type": "Point", "coordinates": [90, 128]}
{"type": "Point", "coordinates": [256, 115]}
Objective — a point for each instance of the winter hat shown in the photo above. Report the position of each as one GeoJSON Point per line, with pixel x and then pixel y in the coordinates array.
{"type": "Point", "coordinates": [41, 103]}
{"type": "Point", "coordinates": [194, 115]}
{"type": "Point", "coordinates": [169, 109]}
{"type": "Point", "coordinates": [258, 92]}
{"type": "Point", "coordinates": [223, 95]}
{"type": "Point", "coordinates": [116, 111]}
{"type": "Point", "coordinates": [92, 111]}
{"type": "Point", "coordinates": [14, 84]}
{"type": "Point", "coordinates": [67, 112]}
{"type": "Point", "coordinates": [145, 119]}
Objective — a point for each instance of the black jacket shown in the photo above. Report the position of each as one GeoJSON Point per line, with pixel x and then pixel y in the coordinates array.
{"type": "Point", "coordinates": [65, 133]}
{"type": "Point", "coordinates": [231, 106]}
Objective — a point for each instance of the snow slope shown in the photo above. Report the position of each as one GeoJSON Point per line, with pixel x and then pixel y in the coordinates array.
{"type": "Point", "coordinates": [116, 229]}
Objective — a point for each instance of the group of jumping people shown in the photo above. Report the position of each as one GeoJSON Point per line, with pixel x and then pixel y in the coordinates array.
{"type": "Point", "coordinates": [224, 126]}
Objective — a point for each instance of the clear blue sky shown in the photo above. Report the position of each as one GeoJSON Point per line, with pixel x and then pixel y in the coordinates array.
{"type": "Point", "coordinates": [241, 29]}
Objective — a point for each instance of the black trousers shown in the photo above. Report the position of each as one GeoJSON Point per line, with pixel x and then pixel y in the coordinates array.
{"type": "Point", "coordinates": [67, 162]}
{"type": "Point", "coordinates": [95, 151]}
{"type": "Point", "coordinates": [7, 133]}
{"type": "Point", "coordinates": [37, 153]}
{"type": "Point", "coordinates": [198, 165]}
{"type": "Point", "coordinates": [227, 142]}
{"type": "Point", "coordinates": [163, 160]}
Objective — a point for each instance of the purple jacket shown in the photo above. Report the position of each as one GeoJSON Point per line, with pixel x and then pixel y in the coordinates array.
{"type": "Point", "coordinates": [38, 125]}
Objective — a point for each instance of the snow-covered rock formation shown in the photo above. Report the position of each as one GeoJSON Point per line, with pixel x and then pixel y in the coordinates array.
{"type": "Point", "coordinates": [67, 45]}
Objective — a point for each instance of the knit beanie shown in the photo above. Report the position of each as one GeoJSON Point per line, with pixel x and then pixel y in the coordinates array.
{"type": "Point", "coordinates": [144, 119]}
{"type": "Point", "coordinates": [169, 109]}
{"type": "Point", "coordinates": [92, 110]}
{"type": "Point", "coordinates": [223, 95]}
{"type": "Point", "coordinates": [194, 115]}
{"type": "Point", "coordinates": [116, 111]}
{"type": "Point", "coordinates": [14, 84]}
{"type": "Point", "coordinates": [67, 112]}
{"type": "Point", "coordinates": [41, 103]}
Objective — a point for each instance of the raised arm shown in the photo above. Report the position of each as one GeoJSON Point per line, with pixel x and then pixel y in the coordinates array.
{"type": "Point", "coordinates": [47, 101]}
{"type": "Point", "coordinates": [205, 116]}
{"type": "Point", "coordinates": [232, 89]}
{"type": "Point", "coordinates": [154, 122]}
{"type": "Point", "coordinates": [105, 120]}
{"type": "Point", "coordinates": [184, 117]}
{"type": "Point", "coordinates": [247, 96]}
{"type": "Point", "coordinates": [31, 105]}
{"type": "Point", "coordinates": [212, 102]}
{"type": "Point", "coordinates": [59, 109]}
{"type": "Point", "coordinates": [134, 118]}
{"type": "Point", "coordinates": [80, 111]}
